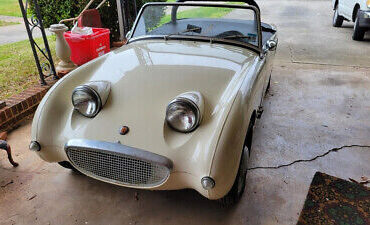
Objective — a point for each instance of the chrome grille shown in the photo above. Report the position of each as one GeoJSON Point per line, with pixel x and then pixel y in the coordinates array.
{"type": "Point", "coordinates": [117, 168]}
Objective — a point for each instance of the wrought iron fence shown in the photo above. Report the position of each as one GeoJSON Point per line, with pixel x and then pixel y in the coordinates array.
{"type": "Point", "coordinates": [44, 64]}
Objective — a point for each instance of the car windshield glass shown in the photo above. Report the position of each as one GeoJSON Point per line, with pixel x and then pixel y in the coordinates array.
{"type": "Point", "coordinates": [219, 22]}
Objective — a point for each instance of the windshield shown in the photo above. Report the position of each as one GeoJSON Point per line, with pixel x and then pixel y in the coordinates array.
{"type": "Point", "coordinates": [231, 23]}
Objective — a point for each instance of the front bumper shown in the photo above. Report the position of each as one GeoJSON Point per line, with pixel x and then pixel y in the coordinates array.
{"type": "Point", "coordinates": [132, 167]}
{"type": "Point", "coordinates": [364, 19]}
{"type": "Point", "coordinates": [118, 164]}
{"type": "Point", "coordinates": [129, 167]}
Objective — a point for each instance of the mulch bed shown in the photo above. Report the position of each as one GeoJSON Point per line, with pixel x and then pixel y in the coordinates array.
{"type": "Point", "coordinates": [331, 200]}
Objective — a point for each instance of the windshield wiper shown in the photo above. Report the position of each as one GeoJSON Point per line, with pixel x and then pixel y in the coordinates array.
{"type": "Point", "coordinates": [249, 37]}
{"type": "Point", "coordinates": [189, 28]}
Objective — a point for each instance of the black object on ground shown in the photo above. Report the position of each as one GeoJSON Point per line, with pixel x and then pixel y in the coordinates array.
{"type": "Point", "coordinates": [331, 200]}
{"type": "Point", "coordinates": [5, 146]}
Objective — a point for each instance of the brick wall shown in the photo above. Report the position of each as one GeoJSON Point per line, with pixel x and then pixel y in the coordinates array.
{"type": "Point", "coordinates": [22, 106]}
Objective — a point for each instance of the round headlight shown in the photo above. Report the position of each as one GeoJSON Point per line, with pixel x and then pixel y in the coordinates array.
{"type": "Point", "coordinates": [86, 101]}
{"type": "Point", "coordinates": [183, 115]}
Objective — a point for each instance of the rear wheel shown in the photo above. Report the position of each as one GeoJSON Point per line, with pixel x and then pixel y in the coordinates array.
{"type": "Point", "coordinates": [68, 165]}
{"type": "Point", "coordinates": [358, 32]}
{"type": "Point", "coordinates": [337, 19]}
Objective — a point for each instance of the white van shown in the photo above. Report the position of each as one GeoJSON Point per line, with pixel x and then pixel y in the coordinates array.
{"type": "Point", "coordinates": [357, 11]}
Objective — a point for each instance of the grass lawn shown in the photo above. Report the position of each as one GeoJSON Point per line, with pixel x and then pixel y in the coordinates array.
{"type": "Point", "coordinates": [5, 23]}
{"type": "Point", "coordinates": [18, 68]}
{"type": "Point", "coordinates": [201, 12]}
{"type": "Point", "coordinates": [10, 8]}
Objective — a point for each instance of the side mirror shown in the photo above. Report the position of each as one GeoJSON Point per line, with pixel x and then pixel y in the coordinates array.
{"type": "Point", "coordinates": [271, 45]}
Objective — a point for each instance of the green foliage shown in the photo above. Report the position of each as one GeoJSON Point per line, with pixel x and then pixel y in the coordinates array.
{"type": "Point", "coordinates": [10, 8]}
{"type": "Point", "coordinates": [53, 11]}
{"type": "Point", "coordinates": [152, 16]}
{"type": "Point", "coordinates": [202, 12]}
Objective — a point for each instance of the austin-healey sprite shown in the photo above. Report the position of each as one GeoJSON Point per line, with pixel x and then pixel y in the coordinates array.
{"type": "Point", "coordinates": [174, 108]}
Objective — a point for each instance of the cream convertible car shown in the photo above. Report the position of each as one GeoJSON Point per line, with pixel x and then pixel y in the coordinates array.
{"type": "Point", "coordinates": [172, 109]}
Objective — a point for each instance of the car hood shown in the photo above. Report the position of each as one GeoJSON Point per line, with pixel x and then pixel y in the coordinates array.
{"type": "Point", "coordinates": [145, 76]}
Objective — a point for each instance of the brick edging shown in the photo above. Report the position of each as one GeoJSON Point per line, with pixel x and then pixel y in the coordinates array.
{"type": "Point", "coordinates": [19, 107]}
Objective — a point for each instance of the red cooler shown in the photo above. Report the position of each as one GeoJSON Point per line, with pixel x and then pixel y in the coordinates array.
{"type": "Point", "coordinates": [87, 47]}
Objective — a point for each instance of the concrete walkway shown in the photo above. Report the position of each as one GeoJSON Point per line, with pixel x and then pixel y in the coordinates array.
{"type": "Point", "coordinates": [319, 99]}
{"type": "Point", "coordinates": [11, 19]}
{"type": "Point", "coordinates": [15, 33]}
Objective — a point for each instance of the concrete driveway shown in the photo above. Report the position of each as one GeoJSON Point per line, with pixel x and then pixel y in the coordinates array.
{"type": "Point", "coordinates": [319, 100]}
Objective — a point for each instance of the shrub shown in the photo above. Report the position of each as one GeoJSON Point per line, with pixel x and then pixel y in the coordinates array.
{"type": "Point", "coordinates": [53, 11]}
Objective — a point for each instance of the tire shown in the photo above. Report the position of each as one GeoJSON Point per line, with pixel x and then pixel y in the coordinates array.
{"type": "Point", "coordinates": [268, 86]}
{"type": "Point", "coordinates": [358, 32]}
{"type": "Point", "coordinates": [68, 165]}
{"type": "Point", "coordinates": [237, 190]}
{"type": "Point", "coordinates": [337, 19]}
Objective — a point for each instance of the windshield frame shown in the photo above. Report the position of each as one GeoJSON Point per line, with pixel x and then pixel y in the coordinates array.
{"type": "Point", "coordinates": [255, 48]}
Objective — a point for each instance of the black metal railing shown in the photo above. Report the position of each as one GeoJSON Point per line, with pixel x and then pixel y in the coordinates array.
{"type": "Point", "coordinates": [45, 64]}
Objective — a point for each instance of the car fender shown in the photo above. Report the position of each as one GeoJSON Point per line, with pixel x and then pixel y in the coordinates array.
{"type": "Point", "coordinates": [227, 155]}
{"type": "Point", "coordinates": [54, 106]}
{"type": "Point", "coordinates": [229, 148]}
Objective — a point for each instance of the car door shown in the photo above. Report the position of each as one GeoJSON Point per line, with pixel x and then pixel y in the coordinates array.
{"type": "Point", "coordinates": [345, 9]}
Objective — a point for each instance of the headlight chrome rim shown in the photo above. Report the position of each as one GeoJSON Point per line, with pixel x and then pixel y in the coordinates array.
{"type": "Point", "coordinates": [194, 107]}
{"type": "Point", "coordinates": [90, 91]}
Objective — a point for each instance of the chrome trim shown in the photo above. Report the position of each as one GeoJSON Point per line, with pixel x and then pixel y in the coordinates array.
{"type": "Point", "coordinates": [256, 11]}
{"type": "Point", "coordinates": [208, 179]}
{"type": "Point", "coordinates": [118, 164]}
{"type": "Point", "coordinates": [34, 146]}
{"type": "Point", "coordinates": [120, 150]}
{"type": "Point", "coordinates": [91, 91]}
{"type": "Point", "coordinates": [197, 38]}
{"type": "Point", "coordinates": [193, 105]}
{"type": "Point", "coordinates": [101, 87]}
{"type": "Point", "coordinates": [271, 45]}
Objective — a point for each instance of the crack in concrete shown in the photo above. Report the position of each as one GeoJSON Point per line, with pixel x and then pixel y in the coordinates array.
{"type": "Point", "coordinates": [291, 54]}
{"type": "Point", "coordinates": [328, 64]}
{"type": "Point", "coordinates": [11, 216]}
{"type": "Point", "coordinates": [309, 160]}
{"type": "Point", "coordinates": [10, 182]}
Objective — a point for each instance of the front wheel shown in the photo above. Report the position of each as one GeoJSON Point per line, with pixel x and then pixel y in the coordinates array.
{"type": "Point", "coordinates": [337, 19]}
{"type": "Point", "coordinates": [358, 32]}
{"type": "Point", "coordinates": [268, 85]}
{"type": "Point", "coordinates": [68, 165]}
{"type": "Point", "coordinates": [237, 190]}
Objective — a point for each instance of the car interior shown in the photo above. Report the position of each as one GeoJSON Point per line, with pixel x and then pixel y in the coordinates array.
{"type": "Point", "coordinates": [241, 30]}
